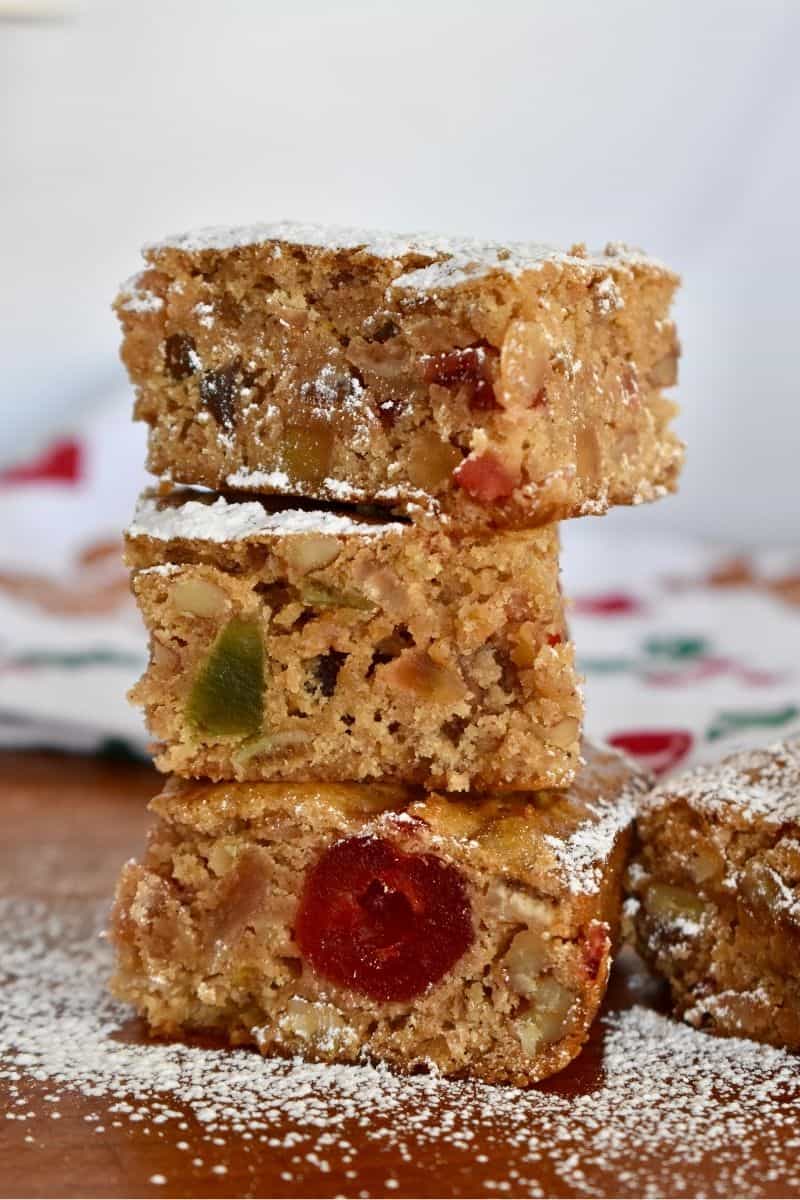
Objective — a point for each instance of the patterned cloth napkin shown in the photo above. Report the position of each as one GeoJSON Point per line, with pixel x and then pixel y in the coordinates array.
{"type": "Point", "coordinates": [688, 651]}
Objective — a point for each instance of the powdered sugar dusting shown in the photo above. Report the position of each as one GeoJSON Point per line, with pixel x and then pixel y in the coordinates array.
{"type": "Point", "coordinates": [583, 855]}
{"type": "Point", "coordinates": [451, 260]}
{"type": "Point", "coordinates": [137, 299]}
{"type": "Point", "coordinates": [231, 521]}
{"type": "Point", "coordinates": [752, 785]}
{"type": "Point", "coordinates": [671, 1109]}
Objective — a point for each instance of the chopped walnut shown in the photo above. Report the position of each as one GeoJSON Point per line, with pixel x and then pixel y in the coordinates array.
{"type": "Point", "coordinates": [525, 366]}
{"type": "Point", "coordinates": [312, 553]}
{"type": "Point", "coordinates": [198, 597]}
{"type": "Point", "coordinates": [387, 359]}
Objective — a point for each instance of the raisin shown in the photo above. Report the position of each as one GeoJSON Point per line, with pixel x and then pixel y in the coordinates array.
{"type": "Point", "coordinates": [383, 923]}
{"type": "Point", "coordinates": [218, 391]}
{"type": "Point", "coordinates": [227, 696]}
{"type": "Point", "coordinates": [325, 672]}
{"type": "Point", "coordinates": [470, 367]}
{"type": "Point", "coordinates": [385, 331]}
{"type": "Point", "coordinates": [180, 356]}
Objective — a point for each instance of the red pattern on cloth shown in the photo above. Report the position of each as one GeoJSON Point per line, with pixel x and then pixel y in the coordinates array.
{"type": "Point", "coordinates": [62, 462]}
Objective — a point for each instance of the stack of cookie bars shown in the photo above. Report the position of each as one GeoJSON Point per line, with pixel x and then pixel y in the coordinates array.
{"type": "Point", "coordinates": [382, 834]}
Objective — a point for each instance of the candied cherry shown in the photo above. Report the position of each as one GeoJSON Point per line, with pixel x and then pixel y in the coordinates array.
{"type": "Point", "coordinates": [384, 923]}
{"type": "Point", "coordinates": [485, 478]}
{"type": "Point", "coordinates": [595, 949]}
{"type": "Point", "coordinates": [470, 366]}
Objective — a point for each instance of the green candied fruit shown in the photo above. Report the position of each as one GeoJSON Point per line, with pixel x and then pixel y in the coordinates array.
{"type": "Point", "coordinates": [321, 595]}
{"type": "Point", "coordinates": [227, 696]}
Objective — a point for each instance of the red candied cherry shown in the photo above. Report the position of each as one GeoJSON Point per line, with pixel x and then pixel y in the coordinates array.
{"type": "Point", "coordinates": [485, 478]}
{"type": "Point", "coordinates": [595, 948]}
{"type": "Point", "coordinates": [384, 923]}
{"type": "Point", "coordinates": [469, 366]}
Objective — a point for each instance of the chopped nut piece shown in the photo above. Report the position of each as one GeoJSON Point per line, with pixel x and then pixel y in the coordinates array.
{"type": "Point", "coordinates": [199, 597]}
{"type": "Point", "coordinates": [525, 366]}
{"type": "Point", "coordinates": [312, 553]}
{"type": "Point", "coordinates": [415, 671]}
{"type": "Point", "coordinates": [525, 961]}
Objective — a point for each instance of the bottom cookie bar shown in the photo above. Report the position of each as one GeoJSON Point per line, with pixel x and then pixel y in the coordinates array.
{"type": "Point", "coordinates": [715, 893]}
{"type": "Point", "coordinates": [342, 921]}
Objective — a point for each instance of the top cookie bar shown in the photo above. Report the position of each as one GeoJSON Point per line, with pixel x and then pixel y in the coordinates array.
{"type": "Point", "coordinates": [502, 386]}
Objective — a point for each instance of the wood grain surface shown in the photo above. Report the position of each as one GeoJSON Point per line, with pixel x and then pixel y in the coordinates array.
{"type": "Point", "coordinates": [68, 823]}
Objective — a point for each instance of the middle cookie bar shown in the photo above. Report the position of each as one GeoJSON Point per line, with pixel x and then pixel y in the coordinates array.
{"type": "Point", "coordinates": [292, 644]}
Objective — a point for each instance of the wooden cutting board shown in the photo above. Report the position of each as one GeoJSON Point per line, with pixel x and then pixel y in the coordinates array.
{"type": "Point", "coordinates": [639, 1113]}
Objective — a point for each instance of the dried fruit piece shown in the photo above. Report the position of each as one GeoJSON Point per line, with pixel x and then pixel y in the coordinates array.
{"type": "Point", "coordinates": [596, 947]}
{"type": "Point", "coordinates": [325, 670]}
{"type": "Point", "coordinates": [227, 696]}
{"type": "Point", "coordinates": [180, 356]}
{"type": "Point", "coordinates": [381, 922]}
{"type": "Point", "coordinates": [485, 478]}
{"type": "Point", "coordinates": [431, 461]}
{"type": "Point", "coordinates": [306, 451]}
{"type": "Point", "coordinates": [322, 595]}
{"type": "Point", "coordinates": [416, 672]}
{"type": "Point", "coordinates": [471, 367]}
{"type": "Point", "coordinates": [673, 903]}
{"type": "Point", "coordinates": [218, 391]}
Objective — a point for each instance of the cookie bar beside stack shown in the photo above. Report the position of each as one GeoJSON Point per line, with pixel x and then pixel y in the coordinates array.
{"type": "Point", "coordinates": [500, 385]}
{"type": "Point", "coordinates": [472, 933]}
{"type": "Point", "coordinates": [715, 893]}
{"type": "Point", "coordinates": [297, 644]}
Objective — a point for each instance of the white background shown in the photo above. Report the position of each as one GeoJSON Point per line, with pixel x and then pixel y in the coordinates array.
{"type": "Point", "coordinates": [673, 126]}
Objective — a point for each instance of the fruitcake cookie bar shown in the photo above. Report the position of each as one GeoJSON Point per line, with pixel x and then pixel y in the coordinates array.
{"type": "Point", "coordinates": [715, 893]}
{"type": "Point", "coordinates": [309, 644]}
{"type": "Point", "coordinates": [470, 933]}
{"type": "Point", "coordinates": [509, 386]}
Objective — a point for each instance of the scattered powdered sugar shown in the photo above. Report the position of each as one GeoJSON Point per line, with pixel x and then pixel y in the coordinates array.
{"type": "Point", "coordinates": [761, 784]}
{"type": "Point", "coordinates": [452, 260]}
{"type": "Point", "coordinates": [230, 521]}
{"type": "Point", "coordinates": [583, 855]}
{"type": "Point", "coordinates": [670, 1109]}
{"type": "Point", "coordinates": [136, 299]}
{"type": "Point", "coordinates": [268, 481]}
{"type": "Point", "coordinates": [608, 296]}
